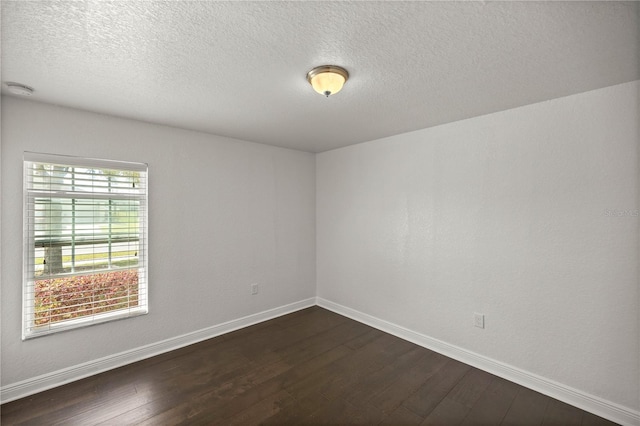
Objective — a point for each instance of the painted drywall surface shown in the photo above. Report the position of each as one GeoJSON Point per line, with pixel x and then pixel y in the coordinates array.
{"type": "Point", "coordinates": [528, 216]}
{"type": "Point", "coordinates": [223, 214]}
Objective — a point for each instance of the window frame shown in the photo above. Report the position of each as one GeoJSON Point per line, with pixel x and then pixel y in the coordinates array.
{"type": "Point", "coordinates": [29, 328]}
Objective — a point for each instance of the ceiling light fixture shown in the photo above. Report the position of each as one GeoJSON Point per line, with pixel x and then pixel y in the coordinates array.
{"type": "Point", "coordinates": [19, 89]}
{"type": "Point", "coordinates": [327, 79]}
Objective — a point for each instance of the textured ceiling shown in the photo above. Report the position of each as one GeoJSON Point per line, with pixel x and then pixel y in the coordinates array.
{"type": "Point", "coordinates": [238, 68]}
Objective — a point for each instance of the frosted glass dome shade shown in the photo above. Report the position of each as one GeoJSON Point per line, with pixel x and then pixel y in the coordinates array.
{"type": "Point", "coordinates": [328, 79]}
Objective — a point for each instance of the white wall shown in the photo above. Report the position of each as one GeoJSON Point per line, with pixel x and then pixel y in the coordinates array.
{"type": "Point", "coordinates": [508, 215]}
{"type": "Point", "coordinates": [223, 213]}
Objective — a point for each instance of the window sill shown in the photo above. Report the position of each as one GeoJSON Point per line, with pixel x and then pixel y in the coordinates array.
{"type": "Point", "coordinates": [76, 323]}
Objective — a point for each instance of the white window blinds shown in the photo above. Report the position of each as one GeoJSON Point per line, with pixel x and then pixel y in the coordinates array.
{"type": "Point", "coordinates": [85, 242]}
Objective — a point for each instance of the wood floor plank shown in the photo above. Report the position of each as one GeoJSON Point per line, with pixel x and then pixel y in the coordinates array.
{"type": "Point", "coordinates": [299, 412]}
{"type": "Point", "coordinates": [262, 347]}
{"type": "Point", "coordinates": [39, 405]}
{"type": "Point", "coordinates": [310, 367]}
{"type": "Point", "coordinates": [101, 411]}
{"type": "Point", "coordinates": [232, 404]}
{"type": "Point", "coordinates": [304, 370]}
{"type": "Point", "coordinates": [173, 390]}
{"type": "Point", "coordinates": [528, 408]}
{"type": "Point", "coordinates": [263, 410]}
{"type": "Point", "coordinates": [305, 349]}
{"type": "Point", "coordinates": [492, 406]}
{"type": "Point", "coordinates": [296, 413]}
{"type": "Point", "coordinates": [436, 388]}
{"type": "Point", "coordinates": [559, 413]}
{"type": "Point", "coordinates": [402, 416]}
{"type": "Point", "coordinates": [361, 392]}
{"type": "Point", "coordinates": [368, 337]}
{"type": "Point", "coordinates": [471, 387]}
{"type": "Point", "coordinates": [331, 379]}
{"type": "Point", "coordinates": [447, 413]}
{"type": "Point", "coordinates": [408, 382]}
{"type": "Point", "coordinates": [233, 398]}
{"type": "Point", "coordinates": [339, 411]}
{"type": "Point", "coordinates": [589, 419]}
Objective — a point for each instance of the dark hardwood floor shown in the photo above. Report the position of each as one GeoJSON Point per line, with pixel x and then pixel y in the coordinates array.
{"type": "Point", "coordinates": [309, 367]}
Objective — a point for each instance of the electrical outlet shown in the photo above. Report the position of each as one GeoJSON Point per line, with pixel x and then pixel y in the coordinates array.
{"type": "Point", "coordinates": [478, 320]}
{"type": "Point", "coordinates": [254, 288]}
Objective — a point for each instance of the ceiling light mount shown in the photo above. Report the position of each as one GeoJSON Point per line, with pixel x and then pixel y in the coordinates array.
{"type": "Point", "coordinates": [19, 89]}
{"type": "Point", "coordinates": [327, 79]}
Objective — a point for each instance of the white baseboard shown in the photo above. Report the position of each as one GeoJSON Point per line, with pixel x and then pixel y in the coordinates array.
{"type": "Point", "coordinates": [50, 380]}
{"type": "Point", "coordinates": [575, 397]}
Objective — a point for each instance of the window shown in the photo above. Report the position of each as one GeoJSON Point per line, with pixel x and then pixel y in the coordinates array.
{"type": "Point", "coordinates": [85, 242]}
